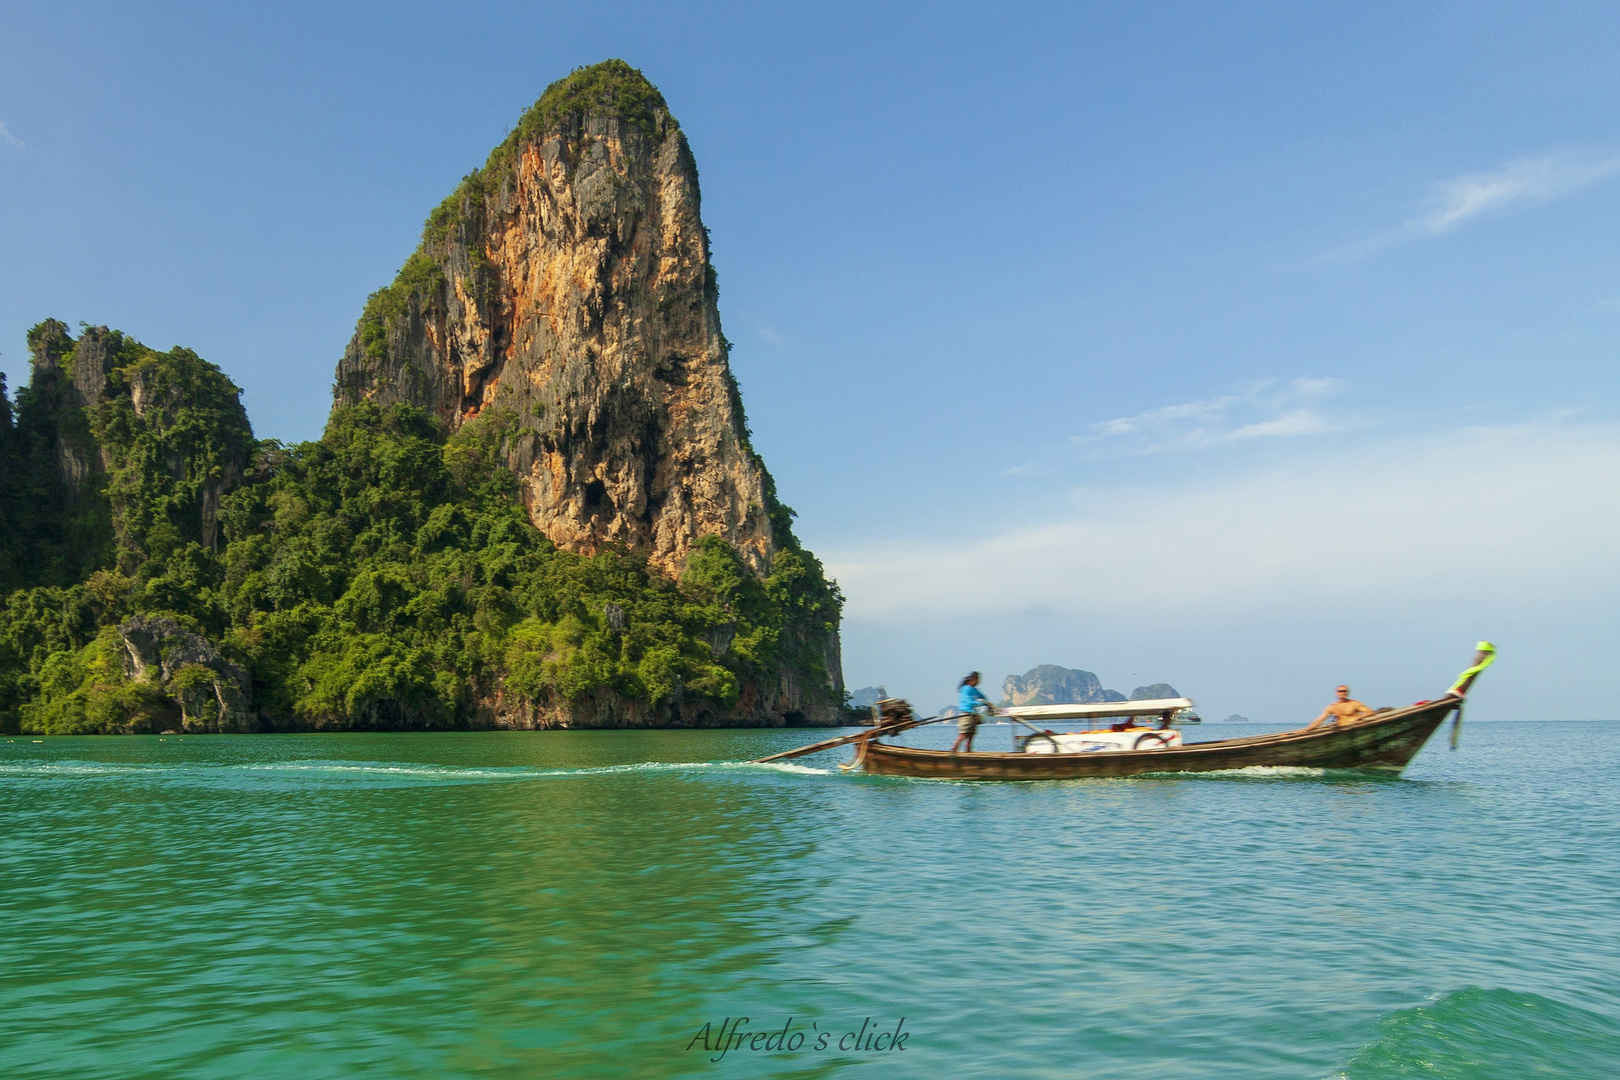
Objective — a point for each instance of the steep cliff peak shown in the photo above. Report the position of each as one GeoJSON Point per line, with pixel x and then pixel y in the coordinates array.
{"type": "Point", "coordinates": [566, 286]}
{"type": "Point", "coordinates": [611, 90]}
{"type": "Point", "coordinates": [612, 97]}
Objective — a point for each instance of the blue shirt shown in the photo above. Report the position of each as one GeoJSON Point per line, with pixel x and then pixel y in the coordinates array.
{"type": "Point", "coordinates": [968, 698]}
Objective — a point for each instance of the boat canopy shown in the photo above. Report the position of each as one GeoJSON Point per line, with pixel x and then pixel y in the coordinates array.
{"type": "Point", "coordinates": [1099, 710]}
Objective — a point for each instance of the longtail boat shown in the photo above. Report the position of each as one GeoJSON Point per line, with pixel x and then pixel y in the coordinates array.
{"type": "Point", "coordinates": [1384, 741]}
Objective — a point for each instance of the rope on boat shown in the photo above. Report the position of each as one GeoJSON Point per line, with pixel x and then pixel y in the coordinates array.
{"type": "Point", "coordinates": [860, 754]}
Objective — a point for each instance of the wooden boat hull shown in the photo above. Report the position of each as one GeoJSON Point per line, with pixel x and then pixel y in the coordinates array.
{"type": "Point", "coordinates": [1386, 742]}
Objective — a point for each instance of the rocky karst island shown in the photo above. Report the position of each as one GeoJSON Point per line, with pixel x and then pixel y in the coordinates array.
{"type": "Point", "coordinates": [1049, 684]}
{"type": "Point", "coordinates": [535, 503]}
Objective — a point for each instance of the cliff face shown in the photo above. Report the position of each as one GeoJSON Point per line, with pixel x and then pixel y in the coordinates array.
{"type": "Point", "coordinates": [564, 294]}
{"type": "Point", "coordinates": [568, 285]}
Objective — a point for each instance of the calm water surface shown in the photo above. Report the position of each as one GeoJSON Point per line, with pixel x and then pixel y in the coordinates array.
{"type": "Point", "coordinates": [583, 903]}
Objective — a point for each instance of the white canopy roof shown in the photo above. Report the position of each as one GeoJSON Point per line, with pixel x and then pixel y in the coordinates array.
{"type": "Point", "coordinates": [1099, 710]}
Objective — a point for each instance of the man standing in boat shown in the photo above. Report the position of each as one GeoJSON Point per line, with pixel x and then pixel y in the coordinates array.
{"type": "Point", "coordinates": [973, 706]}
{"type": "Point", "coordinates": [1346, 710]}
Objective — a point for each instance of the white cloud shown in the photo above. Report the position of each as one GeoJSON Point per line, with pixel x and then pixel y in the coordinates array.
{"type": "Point", "coordinates": [1455, 202]}
{"type": "Point", "coordinates": [1531, 511]}
{"type": "Point", "coordinates": [1540, 179]}
{"type": "Point", "coordinates": [1297, 422]}
{"type": "Point", "coordinates": [1269, 409]}
{"type": "Point", "coordinates": [6, 134]}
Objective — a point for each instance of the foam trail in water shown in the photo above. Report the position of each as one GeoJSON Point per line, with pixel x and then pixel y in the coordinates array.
{"type": "Point", "coordinates": [374, 768]}
{"type": "Point", "coordinates": [73, 768]}
{"type": "Point", "coordinates": [377, 770]}
{"type": "Point", "coordinates": [682, 766]}
{"type": "Point", "coordinates": [1268, 770]}
{"type": "Point", "coordinates": [783, 766]}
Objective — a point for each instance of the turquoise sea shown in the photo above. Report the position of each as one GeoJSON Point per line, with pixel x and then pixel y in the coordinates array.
{"type": "Point", "coordinates": [578, 904]}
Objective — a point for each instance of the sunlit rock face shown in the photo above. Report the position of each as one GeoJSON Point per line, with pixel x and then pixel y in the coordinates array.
{"type": "Point", "coordinates": [566, 290]}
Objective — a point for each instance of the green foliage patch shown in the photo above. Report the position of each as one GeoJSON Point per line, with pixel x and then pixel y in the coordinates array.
{"type": "Point", "coordinates": [49, 534]}
{"type": "Point", "coordinates": [388, 576]}
{"type": "Point", "coordinates": [174, 438]}
{"type": "Point", "coordinates": [384, 576]}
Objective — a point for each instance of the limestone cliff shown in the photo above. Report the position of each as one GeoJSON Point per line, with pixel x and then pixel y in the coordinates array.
{"type": "Point", "coordinates": [568, 284]}
{"type": "Point", "coordinates": [565, 291]}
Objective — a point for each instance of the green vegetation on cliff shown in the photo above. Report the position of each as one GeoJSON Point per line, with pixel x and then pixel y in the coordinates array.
{"type": "Point", "coordinates": [50, 533]}
{"type": "Point", "coordinates": [388, 576]}
{"type": "Point", "coordinates": [612, 89]}
{"type": "Point", "coordinates": [385, 576]}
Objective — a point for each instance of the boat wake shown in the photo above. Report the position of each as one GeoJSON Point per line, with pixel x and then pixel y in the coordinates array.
{"type": "Point", "coordinates": [361, 772]}
{"type": "Point", "coordinates": [69, 769]}
{"type": "Point", "coordinates": [1265, 771]}
{"type": "Point", "coordinates": [525, 772]}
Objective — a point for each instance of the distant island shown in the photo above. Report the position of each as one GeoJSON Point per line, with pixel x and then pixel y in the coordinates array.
{"type": "Point", "coordinates": [1049, 684]}
{"type": "Point", "coordinates": [866, 697]}
{"type": "Point", "coordinates": [536, 502]}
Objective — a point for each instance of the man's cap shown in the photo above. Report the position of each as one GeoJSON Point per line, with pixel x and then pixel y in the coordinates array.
{"type": "Point", "coordinates": [1485, 646]}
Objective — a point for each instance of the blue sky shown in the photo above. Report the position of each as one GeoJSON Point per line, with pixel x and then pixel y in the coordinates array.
{"type": "Point", "coordinates": [1252, 349]}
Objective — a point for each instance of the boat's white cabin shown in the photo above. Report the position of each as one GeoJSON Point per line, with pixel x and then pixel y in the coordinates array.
{"type": "Point", "coordinates": [1149, 726]}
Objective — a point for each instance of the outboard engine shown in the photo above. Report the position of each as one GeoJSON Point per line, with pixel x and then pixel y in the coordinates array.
{"type": "Point", "coordinates": [890, 712]}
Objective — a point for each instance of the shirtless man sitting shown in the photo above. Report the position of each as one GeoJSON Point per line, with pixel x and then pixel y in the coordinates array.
{"type": "Point", "coordinates": [1346, 710]}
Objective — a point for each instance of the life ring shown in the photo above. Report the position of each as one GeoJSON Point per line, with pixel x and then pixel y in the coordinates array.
{"type": "Point", "coordinates": [1157, 736]}
{"type": "Point", "coordinates": [1047, 738]}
